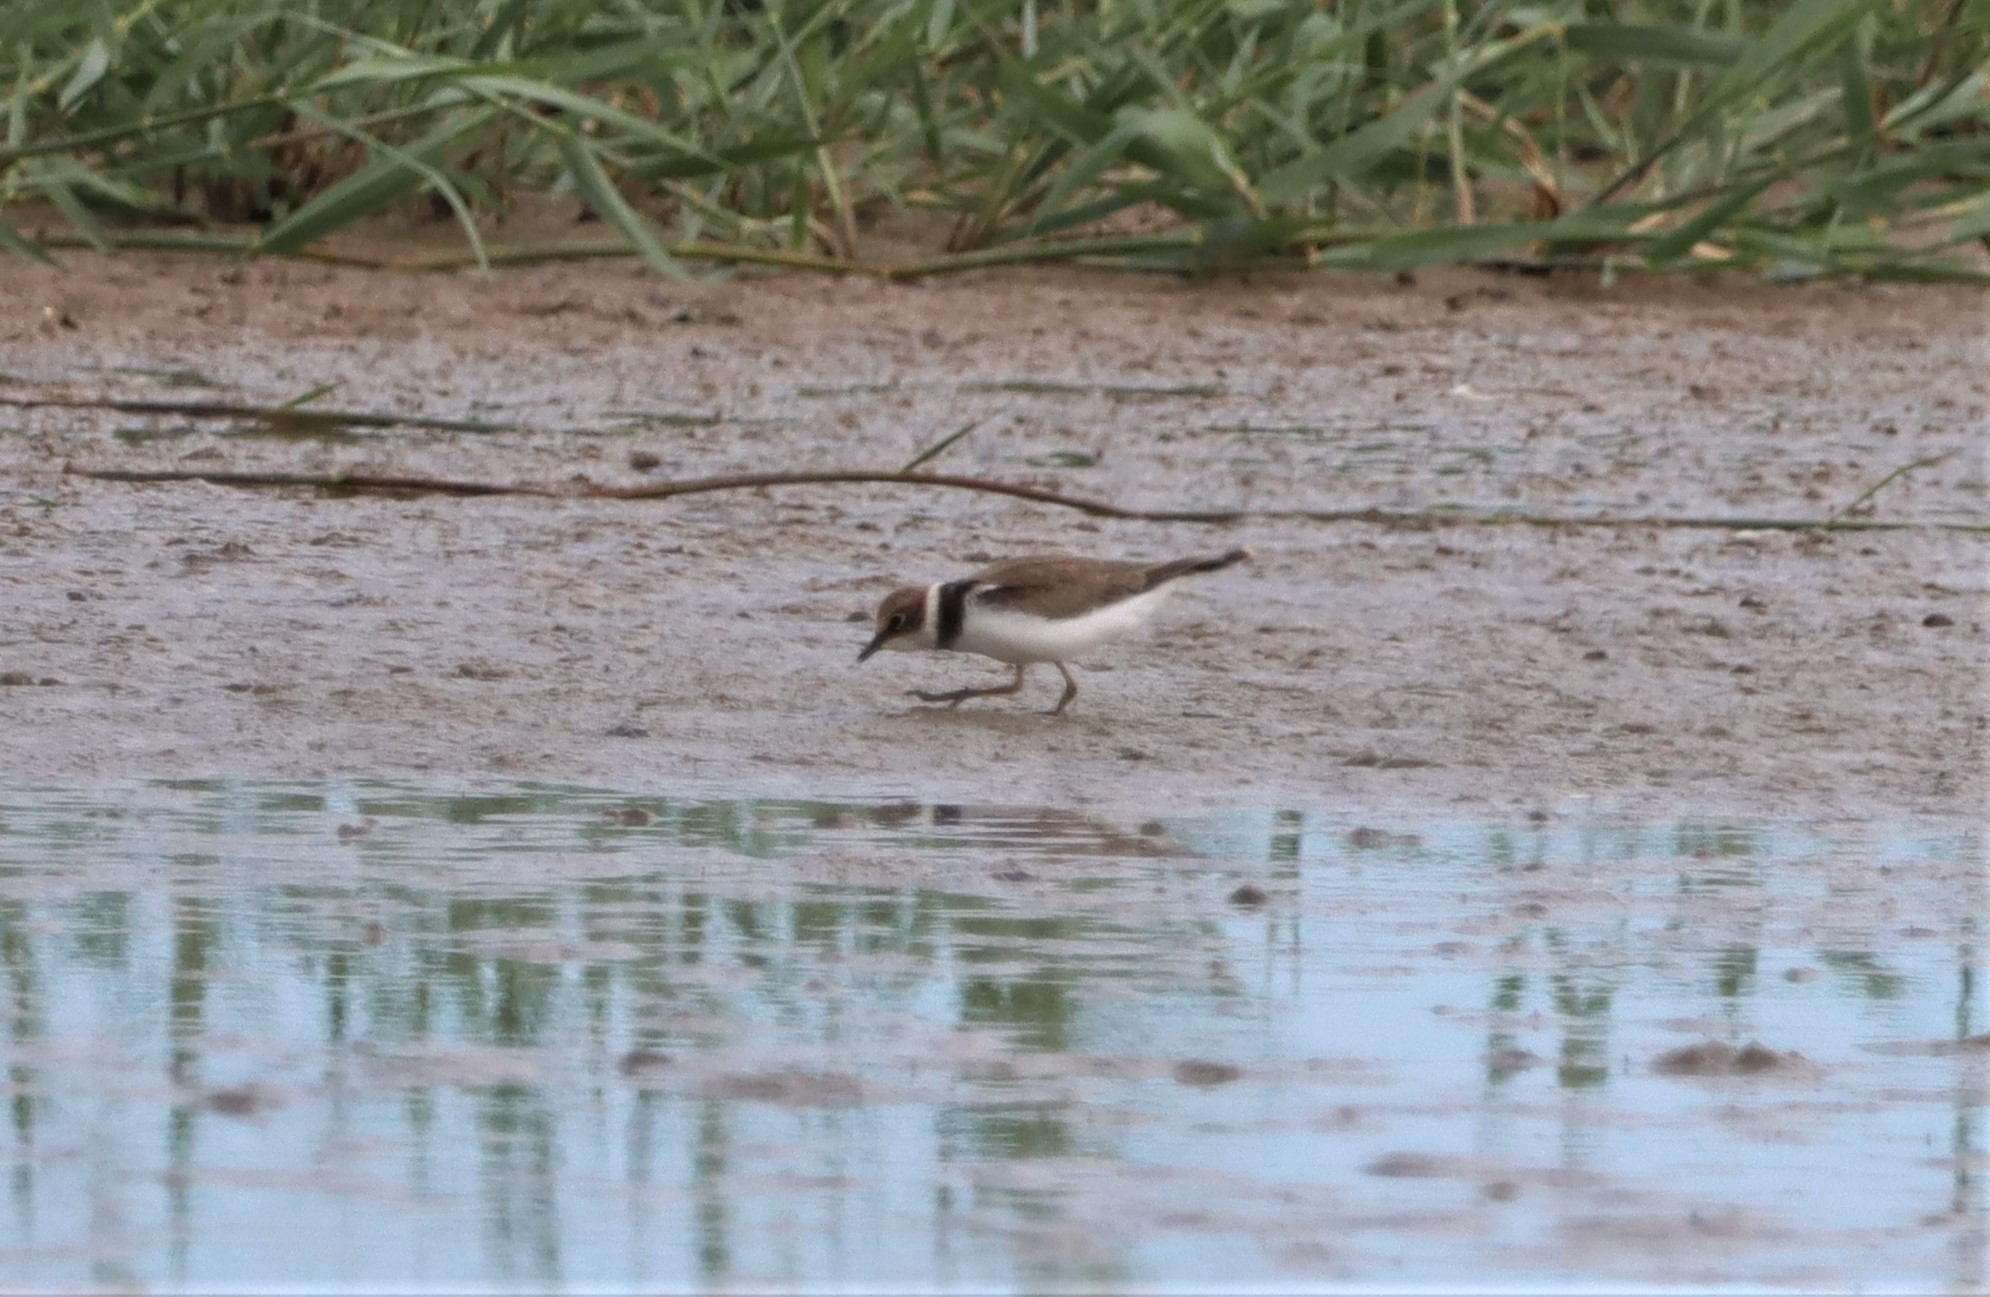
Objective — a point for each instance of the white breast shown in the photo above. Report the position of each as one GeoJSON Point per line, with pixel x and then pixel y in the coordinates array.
{"type": "Point", "coordinates": [1009, 636]}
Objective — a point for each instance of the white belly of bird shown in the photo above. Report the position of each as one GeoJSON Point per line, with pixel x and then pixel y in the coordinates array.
{"type": "Point", "coordinates": [1012, 637]}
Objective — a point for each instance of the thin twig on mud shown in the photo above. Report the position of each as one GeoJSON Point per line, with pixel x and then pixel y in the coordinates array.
{"type": "Point", "coordinates": [358, 481]}
{"type": "Point", "coordinates": [396, 484]}
{"type": "Point", "coordinates": [1158, 253]}
{"type": "Point", "coordinates": [500, 254]}
{"type": "Point", "coordinates": [290, 414]}
{"type": "Point", "coordinates": [1042, 495]}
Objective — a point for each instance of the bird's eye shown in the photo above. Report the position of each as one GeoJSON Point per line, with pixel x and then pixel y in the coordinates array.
{"type": "Point", "coordinates": [897, 622]}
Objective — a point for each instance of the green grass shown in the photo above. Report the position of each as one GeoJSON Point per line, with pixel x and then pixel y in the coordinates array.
{"type": "Point", "coordinates": [1796, 139]}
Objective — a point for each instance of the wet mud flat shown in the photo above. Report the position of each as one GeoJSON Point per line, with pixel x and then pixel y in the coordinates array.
{"type": "Point", "coordinates": [198, 629]}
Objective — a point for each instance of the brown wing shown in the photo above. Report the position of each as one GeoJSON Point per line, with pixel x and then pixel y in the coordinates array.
{"type": "Point", "coordinates": [1058, 585]}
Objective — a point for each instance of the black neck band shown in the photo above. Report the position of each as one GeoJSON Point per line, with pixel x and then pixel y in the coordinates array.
{"type": "Point", "coordinates": [953, 610]}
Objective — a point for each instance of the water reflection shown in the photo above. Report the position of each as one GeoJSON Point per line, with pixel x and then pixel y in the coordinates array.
{"type": "Point", "coordinates": [544, 1037]}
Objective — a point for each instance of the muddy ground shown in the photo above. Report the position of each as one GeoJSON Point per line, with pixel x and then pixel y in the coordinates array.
{"type": "Point", "coordinates": [194, 629]}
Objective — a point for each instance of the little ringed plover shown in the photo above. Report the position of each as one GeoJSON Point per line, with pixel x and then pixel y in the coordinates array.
{"type": "Point", "coordinates": [1022, 610]}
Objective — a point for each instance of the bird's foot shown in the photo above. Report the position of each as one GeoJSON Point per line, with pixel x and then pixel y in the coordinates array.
{"type": "Point", "coordinates": [953, 697]}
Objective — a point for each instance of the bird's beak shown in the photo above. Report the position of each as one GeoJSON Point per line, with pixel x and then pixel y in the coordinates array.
{"type": "Point", "coordinates": [877, 642]}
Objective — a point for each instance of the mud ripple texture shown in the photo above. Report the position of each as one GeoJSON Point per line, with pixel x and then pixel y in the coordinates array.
{"type": "Point", "coordinates": [159, 630]}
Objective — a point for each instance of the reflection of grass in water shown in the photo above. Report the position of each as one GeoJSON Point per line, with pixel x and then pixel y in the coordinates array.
{"type": "Point", "coordinates": [511, 997]}
{"type": "Point", "coordinates": [1701, 840]}
{"type": "Point", "coordinates": [1863, 970]}
{"type": "Point", "coordinates": [1734, 971]}
{"type": "Point", "coordinates": [747, 827]}
{"type": "Point", "coordinates": [694, 969]}
{"type": "Point", "coordinates": [519, 1146]}
{"type": "Point", "coordinates": [1035, 1011]}
{"type": "Point", "coordinates": [1584, 1007]}
{"type": "Point", "coordinates": [995, 1133]}
{"type": "Point", "coordinates": [102, 930]}
{"type": "Point", "coordinates": [1715, 880]}
{"type": "Point", "coordinates": [1289, 843]}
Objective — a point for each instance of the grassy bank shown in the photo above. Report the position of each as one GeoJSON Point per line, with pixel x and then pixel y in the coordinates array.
{"type": "Point", "coordinates": [1815, 137]}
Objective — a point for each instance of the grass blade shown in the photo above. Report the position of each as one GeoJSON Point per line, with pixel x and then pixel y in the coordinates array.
{"type": "Point", "coordinates": [606, 201]}
{"type": "Point", "coordinates": [1687, 47]}
{"type": "Point", "coordinates": [934, 451]}
{"type": "Point", "coordinates": [382, 181]}
{"type": "Point", "coordinates": [1683, 238]}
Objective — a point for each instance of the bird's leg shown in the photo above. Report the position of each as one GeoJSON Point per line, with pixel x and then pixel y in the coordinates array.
{"type": "Point", "coordinates": [955, 697]}
{"type": "Point", "coordinates": [1070, 690]}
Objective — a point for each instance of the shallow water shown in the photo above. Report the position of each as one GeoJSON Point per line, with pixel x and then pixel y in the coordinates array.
{"type": "Point", "coordinates": [376, 1035]}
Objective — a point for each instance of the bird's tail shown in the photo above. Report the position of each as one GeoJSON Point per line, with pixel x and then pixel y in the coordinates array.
{"type": "Point", "coordinates": [1162, 573]}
